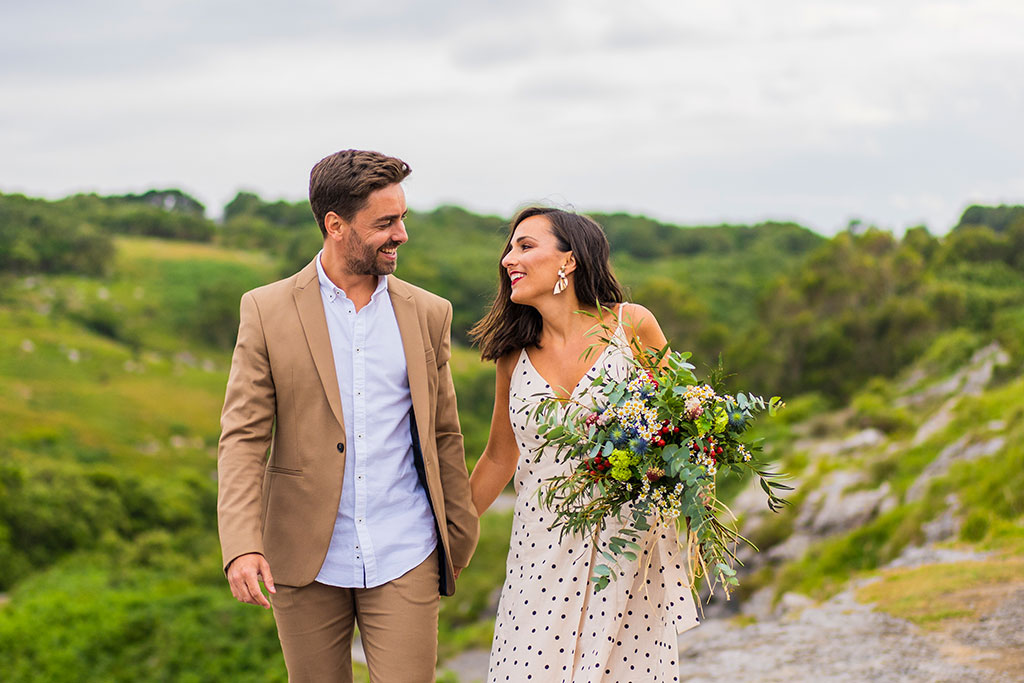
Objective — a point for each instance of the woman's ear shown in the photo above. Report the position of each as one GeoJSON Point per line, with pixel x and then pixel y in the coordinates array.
{"type": "Point", "coordinates": [570, 264]}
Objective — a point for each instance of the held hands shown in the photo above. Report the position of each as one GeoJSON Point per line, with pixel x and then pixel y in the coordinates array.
{"type": "Point", "coordinates": [244, 574]}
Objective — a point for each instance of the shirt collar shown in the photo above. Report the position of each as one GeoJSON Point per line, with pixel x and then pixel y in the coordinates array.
{"type": "Point", "coordinates": [333, 291]}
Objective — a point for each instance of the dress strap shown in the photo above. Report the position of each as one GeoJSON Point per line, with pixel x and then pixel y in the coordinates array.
{"type": "Point", "coordinates": [621, 329]}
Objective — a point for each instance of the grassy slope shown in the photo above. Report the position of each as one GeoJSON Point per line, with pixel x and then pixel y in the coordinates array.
{"type": "Point", "coordinates": [142, 400]}
{"type": "Point", "coordinates": [989, 490]}
{"type": "Point", "coordinates": [78, 387]}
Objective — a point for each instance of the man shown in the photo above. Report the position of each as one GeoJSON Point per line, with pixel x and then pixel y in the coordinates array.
{"type": "Point", "coordinates": [362, 514]}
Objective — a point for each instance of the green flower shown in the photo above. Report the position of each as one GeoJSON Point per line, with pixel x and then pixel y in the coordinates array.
{"type": "Point", "coordinates": [721, 419]}
{"type": "Point", "coordinates": [620, 458]}
{"type": "Point", "coordinates": [622, 473]}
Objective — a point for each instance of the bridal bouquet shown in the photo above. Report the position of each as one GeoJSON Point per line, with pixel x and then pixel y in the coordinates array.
{"type": "Point", "coordinates": [649, 452]}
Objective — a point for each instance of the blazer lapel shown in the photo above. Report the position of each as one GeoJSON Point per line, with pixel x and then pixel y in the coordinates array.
{"type": "Point", "coordinates": [412, 343]}
{"type": "Point", "coordinates": [314, 324]}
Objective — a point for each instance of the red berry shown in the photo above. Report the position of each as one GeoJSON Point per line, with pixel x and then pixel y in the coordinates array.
{"type": "Point", "coordinates": [661, 442]}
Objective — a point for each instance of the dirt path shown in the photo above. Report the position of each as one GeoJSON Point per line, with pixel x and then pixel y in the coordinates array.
{"type": "Point", "coordinates": [845, 641]}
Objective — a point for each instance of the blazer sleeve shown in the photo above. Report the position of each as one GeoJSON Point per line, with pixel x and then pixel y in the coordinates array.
{"type": "Point", "coordinates": [246, 433]}
{"type": "Point", "coordinates": [463, 524]}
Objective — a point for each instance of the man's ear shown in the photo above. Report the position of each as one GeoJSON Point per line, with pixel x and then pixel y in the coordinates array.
{"type": "Point", "coordinates": [334, 226]}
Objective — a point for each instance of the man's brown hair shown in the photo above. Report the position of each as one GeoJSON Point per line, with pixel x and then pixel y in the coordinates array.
{"type": "Point", "coordinates": [342, 181]}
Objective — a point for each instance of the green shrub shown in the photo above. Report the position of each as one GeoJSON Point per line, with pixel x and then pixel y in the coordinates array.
{"type": "Point", "coordinates": [85, 621]}
{"type": "Point", "coordinates": [950, 351]}
{"type": "Point", "coordinates": [873, 407]}
{"type": "Point", "coordinates": [51, 510]}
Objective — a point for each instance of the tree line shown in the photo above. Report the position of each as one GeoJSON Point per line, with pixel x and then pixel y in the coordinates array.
{"type": "Point", "coordinates": [789, 309]}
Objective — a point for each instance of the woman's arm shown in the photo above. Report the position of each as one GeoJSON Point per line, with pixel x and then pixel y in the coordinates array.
{"type": "Point", "coordinates": [496, 466]}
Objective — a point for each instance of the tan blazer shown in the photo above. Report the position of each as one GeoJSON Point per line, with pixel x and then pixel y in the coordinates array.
{"type": "Point", "coordinates": [282, 395]}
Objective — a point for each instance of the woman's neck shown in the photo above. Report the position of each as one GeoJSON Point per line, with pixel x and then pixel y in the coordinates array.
{"type": "Point", "coordinates": [563, 321]}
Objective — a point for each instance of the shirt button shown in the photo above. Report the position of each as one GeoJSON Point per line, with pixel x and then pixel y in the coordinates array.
{"type": "Point", "coordinates": [341, 447]}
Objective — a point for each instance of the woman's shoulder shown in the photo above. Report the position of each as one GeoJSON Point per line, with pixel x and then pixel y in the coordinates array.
{"type": "Point", "coordinates": [633, 315]}
{"type": "Point", "coordinates": [506, 363]}
{"type": "Point", "coordinates": [638, 321]}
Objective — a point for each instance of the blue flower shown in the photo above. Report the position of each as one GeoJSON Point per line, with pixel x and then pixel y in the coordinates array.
{"type": "Point", "coordinates": [737, 420]}
{"type": "Point", "coordinates": [638, 445]}
{"type": "Point", "coordinates": [618, 436]}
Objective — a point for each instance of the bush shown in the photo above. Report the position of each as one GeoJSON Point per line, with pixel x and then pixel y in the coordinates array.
{"type": "Point", "coordinates": [37, 237]}
{"type": "Point", "coordinates": [873, 407]}
{"type": "Point", "coordinates": [950, 351]}
{"type": "Point", "coordinates": [51, 510]}
{"type": "Point", "coordinates": [90, 621]}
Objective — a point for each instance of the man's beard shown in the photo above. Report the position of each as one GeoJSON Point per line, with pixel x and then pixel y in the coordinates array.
{"type": "Point", "coordinates": [363, 260]}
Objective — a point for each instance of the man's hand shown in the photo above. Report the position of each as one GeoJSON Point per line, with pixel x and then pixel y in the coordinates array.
{"type": "Point", "coordinates": [244, 574]}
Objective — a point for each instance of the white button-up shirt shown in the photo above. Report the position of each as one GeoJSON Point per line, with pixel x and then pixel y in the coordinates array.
{"type": "Point", "coordinates": [385, 526]}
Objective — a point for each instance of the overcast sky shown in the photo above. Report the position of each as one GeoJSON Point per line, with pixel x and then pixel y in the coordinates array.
{"type": "Point", "coordinates": [895, 112]}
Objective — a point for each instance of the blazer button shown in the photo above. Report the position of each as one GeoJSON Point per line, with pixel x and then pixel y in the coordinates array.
{"type": "Point", "coordinates": [341, 447]}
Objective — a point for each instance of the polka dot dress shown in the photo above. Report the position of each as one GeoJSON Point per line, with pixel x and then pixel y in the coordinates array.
{"type": "Point", "coordinates": [551, 625]}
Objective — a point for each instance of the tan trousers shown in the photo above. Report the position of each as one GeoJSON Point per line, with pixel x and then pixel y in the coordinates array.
{"type": "Point", "coordinates": [397, 624]}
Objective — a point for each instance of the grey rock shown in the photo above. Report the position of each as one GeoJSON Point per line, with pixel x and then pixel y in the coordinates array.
{"type": "Point", "coordinates": [938, 421]}
{"type": "Point", "coordinates": [1003, 628]}
{"type": "Point", "coordinates": [792, 548]}
{"type": "Point", "coordinates": [792, 602]}
{"type": "Point", "coordinates": [821, 448]}
{"type": "Point", "coordinates": [759, 604]}
{"type": "Point", "coordinates": [917, 556]}
{"type": "Point", "coordinates": [970, 379]}
{"type": "Point", "coordinates": [832, 508]}
{"type": "Point", "coordinates": [469, 666]}
{"type": "Point", "coordinates": [945, 526]}
{"type": "Point", "coordinates": [963, 449]}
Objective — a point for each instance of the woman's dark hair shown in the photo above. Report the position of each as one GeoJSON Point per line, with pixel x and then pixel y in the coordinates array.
{"type": "Point", "coordinates": [509, 326]}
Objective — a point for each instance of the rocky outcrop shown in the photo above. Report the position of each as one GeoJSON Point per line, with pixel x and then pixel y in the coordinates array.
{"type": "Point", "coordinates": [963, 449]}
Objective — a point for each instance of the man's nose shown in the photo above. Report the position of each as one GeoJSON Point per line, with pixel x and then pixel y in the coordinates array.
{"type": "Point", "coordinates": [398, 233]}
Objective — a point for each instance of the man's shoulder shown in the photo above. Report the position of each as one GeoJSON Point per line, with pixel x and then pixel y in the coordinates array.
{"type": "Point", "coordinates": [283, 287]}
{"type": "Point", "coordinates": [421, 296]}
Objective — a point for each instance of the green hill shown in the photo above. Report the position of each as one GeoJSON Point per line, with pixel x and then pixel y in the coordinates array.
{"type": "Point", "coordinates": [118, 318]}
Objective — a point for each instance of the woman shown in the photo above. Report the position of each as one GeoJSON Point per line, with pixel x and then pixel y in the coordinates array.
{"type": "Point", "coordinates": [551, 625]}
